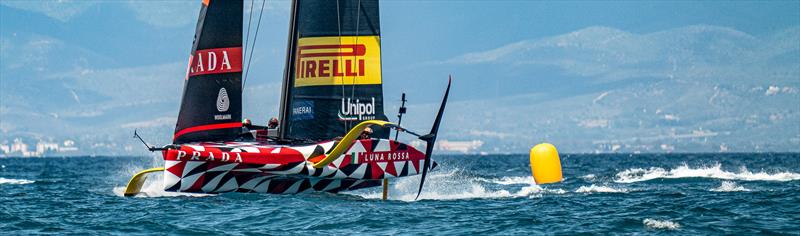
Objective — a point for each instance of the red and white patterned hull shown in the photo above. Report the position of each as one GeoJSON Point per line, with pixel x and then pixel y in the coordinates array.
{"type": "Point", "coordinates": [260, 167]}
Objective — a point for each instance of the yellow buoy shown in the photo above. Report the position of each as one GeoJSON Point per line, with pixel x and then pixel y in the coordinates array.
{"type": "Point", "coordinates": [545, 164]}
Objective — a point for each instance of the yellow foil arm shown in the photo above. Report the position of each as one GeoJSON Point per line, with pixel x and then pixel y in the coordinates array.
{"type": "Point", "coordinates": [347, 141]}
{"type": "Point", "coordinates": [136, 182]}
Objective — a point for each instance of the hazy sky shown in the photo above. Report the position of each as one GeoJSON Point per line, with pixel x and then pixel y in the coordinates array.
{"type": "Point", "coordinates": [138, 33]}
{"type": "Point", "coordinates": [80, 63]}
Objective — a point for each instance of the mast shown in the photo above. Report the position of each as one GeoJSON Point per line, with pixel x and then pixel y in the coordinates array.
{"type": "Point", "coordinates": [288, 71]}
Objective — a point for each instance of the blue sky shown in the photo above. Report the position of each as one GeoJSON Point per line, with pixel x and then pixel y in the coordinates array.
{"type": "Point", "coordinates": [510, 56]}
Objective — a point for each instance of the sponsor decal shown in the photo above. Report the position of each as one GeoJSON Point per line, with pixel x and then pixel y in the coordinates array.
{"type": "Point", "coordinates": [370, 157]}
{"type": "Point", "coordinates": [223, 103]}
{"type": "Point", "coordinates": [215, 61]}
{"type": "Point", "coordinates": [209, 156]}
{"type": "Point", "coordinates": [302, 110]}
{"type": "Point", "coordinates": [345, 60]}
{"type": "Point", "coordinates": [222, 117]}
{"type": "Point", "coordinates": [357, 109]}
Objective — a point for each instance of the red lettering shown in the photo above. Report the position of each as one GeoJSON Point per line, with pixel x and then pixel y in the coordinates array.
{"type": "Point", "coordinates": [311, 66]}
{"type": "Point", "coordinates": [323, 68]}
{"type": "Point", "coordinates": [336, 71]}
{"type": "Point", "coordinates": [348, 71]}
{"type": "Point", "coordinates": [299, 69]}
{"type": "Point", "coordinates": [361, 67]}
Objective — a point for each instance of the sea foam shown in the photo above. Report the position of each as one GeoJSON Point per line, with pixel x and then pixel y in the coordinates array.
{"type": "Point", "coordinates": [660, 224]}
{"type": "Point", "coordinates": [599, 189]}
{"type": "Point", "coordinates": [455, 185]}
{"type": "Point", "coordinates": [15, 181]}
{"type": "Point", "coordinates": [153, 185]}
{"type": "Point", "coordinates": [684, 171]}
{"type": "Point", "coordinates": [154, 188]}
{"type": "Point", "coordinates": [510, 180]}
{"type": "Point", "coordinates": [589, 177]}
{"type": "Point", "coordinates": [729, 186]}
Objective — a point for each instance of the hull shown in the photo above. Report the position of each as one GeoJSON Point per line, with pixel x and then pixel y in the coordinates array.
{"type": "Point", "coordinates": [267, 168]}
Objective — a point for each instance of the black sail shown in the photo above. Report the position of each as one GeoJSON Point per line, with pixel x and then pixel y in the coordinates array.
{"type": "Point", "coordinates": [211, 108]}
{"type": "Point", "coordinates": [335, 73]}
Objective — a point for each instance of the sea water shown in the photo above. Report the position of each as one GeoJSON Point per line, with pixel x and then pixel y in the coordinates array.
{"type": "Point", "coordinates": [467, 194]}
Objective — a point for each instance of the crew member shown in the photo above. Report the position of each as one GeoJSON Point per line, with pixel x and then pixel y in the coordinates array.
{"type": "Point", "coordinates": [366, 134]}
{"type": "Point", "coordinates": [260, 133]}
{"type": "Point", "coordinates": [273, 123]}
{"type": "Point", "coordinates": [248, 125]}
{"type": "Point", "coordinates": [247, 130]}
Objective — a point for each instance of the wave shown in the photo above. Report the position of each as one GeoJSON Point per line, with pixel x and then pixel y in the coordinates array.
{"type": "Point", "coordinates": [729, 186]}
{"type": "Point", "coordinates": [510, 180]}
{"type": "Point", "coordinates": [599, 189]}
{"type": "Point", "coordinates": [661, 224]}
{"type": "Point", "coordinates": [589, 177]}
{"type": "Point", "coordinates": [638, 174]}
{"type": "Point", "coordinates": [154, 188]}
{"type": "Point", "coordinates": [15, 181]}
{"type": "Point", "coordinates": [454, 185]}
{"type": "Point", "coordinates": [153, 185]}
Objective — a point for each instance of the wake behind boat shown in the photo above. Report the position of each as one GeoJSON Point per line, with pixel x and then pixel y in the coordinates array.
{"type": "Point", "coordinates": [332, 92]}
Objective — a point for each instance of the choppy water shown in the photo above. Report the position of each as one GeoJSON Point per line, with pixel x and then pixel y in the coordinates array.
{"type": "Point", "coordinates": [628, 194]}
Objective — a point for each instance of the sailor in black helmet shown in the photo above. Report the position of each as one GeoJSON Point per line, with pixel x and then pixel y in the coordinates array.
{"type": "Point", "coordinates": [249, 130]}
{"type": "Point", "coordinates": [273, 123]}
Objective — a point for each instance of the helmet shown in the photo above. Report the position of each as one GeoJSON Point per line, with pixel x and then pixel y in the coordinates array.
{"type": "Point", "coordinates": [273, 122]}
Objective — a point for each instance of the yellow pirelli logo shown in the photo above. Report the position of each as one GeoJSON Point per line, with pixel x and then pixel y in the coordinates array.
{"type": "Point", "coordinates": [345, 60]}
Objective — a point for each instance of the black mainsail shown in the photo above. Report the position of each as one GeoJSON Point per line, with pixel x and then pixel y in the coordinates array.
{"type": "Point", "coordinates": [333, 75]}
{"type": "Point", "coordinates": [211, 108]}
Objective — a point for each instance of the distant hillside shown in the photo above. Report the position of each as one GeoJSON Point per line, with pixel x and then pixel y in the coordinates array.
{"type": "Point", "coordinates": [696, 88]}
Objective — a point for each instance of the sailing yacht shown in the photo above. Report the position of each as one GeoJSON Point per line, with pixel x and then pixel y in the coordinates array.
{"type": "Point", "coordinates": [332, 91]}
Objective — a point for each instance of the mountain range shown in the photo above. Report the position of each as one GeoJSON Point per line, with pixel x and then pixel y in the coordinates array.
{"type": "Point", "coordinates": [698, 88]}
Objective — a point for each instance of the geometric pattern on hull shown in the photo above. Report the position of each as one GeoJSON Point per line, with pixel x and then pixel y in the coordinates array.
{"type": "Point", "coordinates": [217, 167]}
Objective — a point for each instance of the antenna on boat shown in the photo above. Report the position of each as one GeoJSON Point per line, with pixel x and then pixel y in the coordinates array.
{"type": "Point", "coordinates": [400, 114]}
{"type": "Point", "coordinates": [151, 148]}
{"type": "Point", "coordinates": [136, 135]}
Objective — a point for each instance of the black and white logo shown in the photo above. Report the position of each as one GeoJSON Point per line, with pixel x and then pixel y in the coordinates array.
{"type": "Point", "coordinates": [223, 103]}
